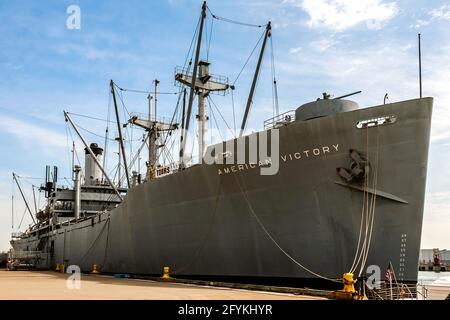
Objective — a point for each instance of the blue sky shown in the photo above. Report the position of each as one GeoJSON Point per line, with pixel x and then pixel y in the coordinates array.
{"type": "Point", "coordinates": [323, 45]}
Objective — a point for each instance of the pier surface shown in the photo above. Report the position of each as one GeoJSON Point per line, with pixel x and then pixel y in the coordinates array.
{"type": "Point", "coordinates": [53, 286]}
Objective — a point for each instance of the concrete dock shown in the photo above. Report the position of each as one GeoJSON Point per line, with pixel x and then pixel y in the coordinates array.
{"type": "Point", "coordinates": [437, 292]}
{"type": "Point", "coordinates": [48, 285]}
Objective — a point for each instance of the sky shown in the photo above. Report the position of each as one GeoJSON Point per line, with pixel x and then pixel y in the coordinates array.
{"type": "Point", "coordinates": [335, 46]}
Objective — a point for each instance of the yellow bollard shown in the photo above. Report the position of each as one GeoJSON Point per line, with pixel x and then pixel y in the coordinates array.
{"type": "Point", "coordinates": [348, 292]}
{"type": "Point", "coordinates": [166, 275]}
{"type": "Point", "coordinates": [94, 269]}
{"type": "Point", "coordinates": [348, 283]}
{"type": "Point", "coordinates": [57, 268]}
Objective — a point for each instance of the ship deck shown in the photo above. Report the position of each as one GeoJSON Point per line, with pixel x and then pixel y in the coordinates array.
{"type": "Point", "coordinates": [28, 285]}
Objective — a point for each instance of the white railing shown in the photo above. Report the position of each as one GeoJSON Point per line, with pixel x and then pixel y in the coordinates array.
{"type": "Point", "coordinates": [280, 120]}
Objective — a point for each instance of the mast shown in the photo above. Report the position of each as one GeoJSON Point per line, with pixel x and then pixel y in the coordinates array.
{"type": "Point", "coordinates": [23, 196]}
{"type": "Point", "coordinates": [420, 68]}
{"type": "Point", "coordinates": [183, 117]}
{"type": "Point", "coordinates": [202, 117]}
{"type": "Point", "coordinates": [255, 79]}
{"type": "Point", "coordinates": [119, 172]}
{"type": "Point", "coordinates": [156, 97]}
{"type": "Point", "coordinates": [34, 198]}
{"type": "Point", "coordinates": [119, 128]}
{"type": "Point", "coordinates": [149, 97]}
{"type": "Point", "coordinates": [194, 78]}
{"type": "Point", "coordinates": [88, 148]}
{"type": "Point", "coordinates": [77, 187]}
{"type": "Point", "coordinates": [12, 212]}
{"type": "Point", "coordinates": [152, 128]}
{"type": "Point", "coordinates": [205, 83]}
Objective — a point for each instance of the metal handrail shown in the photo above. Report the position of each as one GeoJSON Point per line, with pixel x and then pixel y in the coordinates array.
{"type": "Point", "coordinates": [279, 120]}
{"type": "Point", "coordinates": [399, 291]}
{"type": "Point", "coordinates": [144, 116]}
{"type": "Point", "coordinates": [213, 77]}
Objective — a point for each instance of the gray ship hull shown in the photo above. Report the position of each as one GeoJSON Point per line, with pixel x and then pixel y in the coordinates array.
{"type": "Point", "coordinates": [209, 220]}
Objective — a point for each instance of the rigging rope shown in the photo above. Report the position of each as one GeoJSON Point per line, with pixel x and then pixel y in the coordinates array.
{"type": "Point", "coordinates": [75, 150]}
{"type": "Point", "coordinates": [191, 45]}
{"type": "Point", "coordinates": [94, 242]}
{"type": "Point", "coordinates": [209, 42]}
{"type": "Point", "coordinates": [68, 147]}
{"type": "Point", "coordinates": [248, 59]}
{"type": "Point", "coordinates": [89, 117]}
{"type": "Point", "coordinates": [93, 133]}
{"type": "Point", "coordinates": [214, 118]}
{"type": "Point", "coordinates": [21, 220]}
{"type": "Point", "coordinates": [106, 245]}
{"type": "Point", "coordinates": [220, 114]}
{"type": "Point", "coordinates": [274, 85]}
{"type": "Point", "coordinates": [171, 122]}
{"type": "Point", "coordinates": [235, 21]}
{"type": "Point", "coordinates": [145, 91]}
{"type": "Point", "coordinates": [234, 115]}
{"type": "Point", "coordinates": [107, 133]}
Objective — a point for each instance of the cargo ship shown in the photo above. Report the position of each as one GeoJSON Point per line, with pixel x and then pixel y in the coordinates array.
{"type": "Point", "coordinates": [345, 191]}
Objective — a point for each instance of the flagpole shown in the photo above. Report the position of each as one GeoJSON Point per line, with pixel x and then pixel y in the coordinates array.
{"type": "Point", "coordinates": [390, 281]}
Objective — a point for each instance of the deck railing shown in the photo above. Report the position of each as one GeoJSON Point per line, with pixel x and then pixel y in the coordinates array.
{"type": "Point", "coordinates": [280, 120]}
{"type": "Point", "coordinates": [398, 291]}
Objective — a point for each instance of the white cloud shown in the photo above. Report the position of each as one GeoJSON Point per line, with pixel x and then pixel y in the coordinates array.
{"type": "Point", "coordinates": [31, 134]}
{"type": "Point", "coordinates": [323, 44]}
{"type": "Point", "coordinates": [442, 12]}
{"type": "Point", "coordinates": [295, 50]}
{"type": "Point", "coordinates": [420, 23]}
{"type": "Point", "coordinates": [340, 15]}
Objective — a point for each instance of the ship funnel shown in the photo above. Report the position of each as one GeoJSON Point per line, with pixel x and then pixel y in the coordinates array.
{"type": "Point", "coordinates": [92, 173]}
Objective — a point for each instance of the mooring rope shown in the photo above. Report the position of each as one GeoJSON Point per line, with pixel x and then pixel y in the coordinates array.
{"type": "Point", "coordinates": [357, 256]}
{"type": "Point", "coordinates": [271, 238]}
{"type": "Point", "coordinates": [94, 242]}
{"type": "Point", "coordinates": [373, 203]}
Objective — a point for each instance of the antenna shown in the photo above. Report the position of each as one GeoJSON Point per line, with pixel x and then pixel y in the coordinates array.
{"type": "Point", "coordinates": [420, 67]}
{"type": "Point", "coordinates": [12, 212]}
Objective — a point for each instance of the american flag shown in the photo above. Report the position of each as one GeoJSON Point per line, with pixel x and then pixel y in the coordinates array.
{"type": "Point", "coordinates": [389, 273]}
